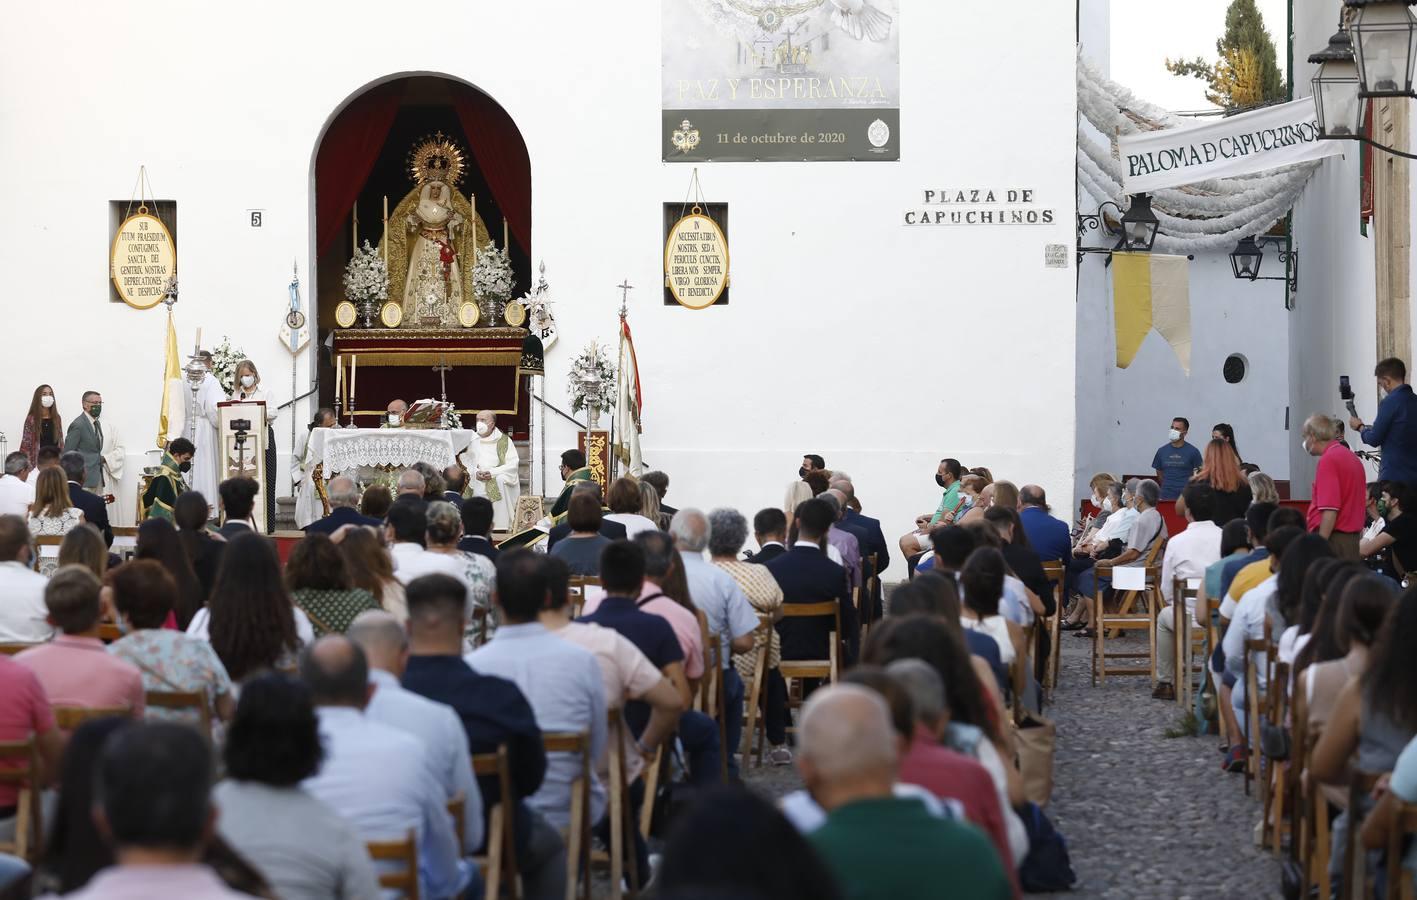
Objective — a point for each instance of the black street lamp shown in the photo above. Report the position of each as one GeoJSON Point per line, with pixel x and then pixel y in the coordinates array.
{"type": "Point", "coordinates": [1139, 225]}
{"type": "Point", "coordinates": [1338, 108]}
{"type": "Point", "coordinates": [1245, 259]}
{"type": "Point", "coordinates": [1385, 46]}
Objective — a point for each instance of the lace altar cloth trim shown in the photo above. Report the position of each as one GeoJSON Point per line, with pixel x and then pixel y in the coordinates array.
{"type": "Point", "coordinates": [388, 447]}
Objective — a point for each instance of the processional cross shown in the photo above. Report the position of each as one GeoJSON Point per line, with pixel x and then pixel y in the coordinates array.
{"type": "Point", "coordinates": [442, 368]}
{"type": "Point", "coordinates": [625, 288]}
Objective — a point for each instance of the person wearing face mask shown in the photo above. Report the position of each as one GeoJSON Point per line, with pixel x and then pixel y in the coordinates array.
{"type": "Point", "coordinates": [397, 409]}
{"type": "Point", "coordinates": [1176, 461]}
{"type": "Point", "coordinates": [162, 492]}
{"type": "Point", "coordinates": [308, 506]}
{"type": "Point", "coordinates": [1398, 531]}
{"type": "Point", "coordinates": [1339, 491]}
{"type": "Point", "coordinates": [492, 463]}
{"type": "Point", "coordinates": [43, 426]}
{"type": "Point", "coordinates": [99, 444]}
{"type": "Point", "coordinates": [248, 389]}
{"type": "Point", "coordinates": [1395, 428]}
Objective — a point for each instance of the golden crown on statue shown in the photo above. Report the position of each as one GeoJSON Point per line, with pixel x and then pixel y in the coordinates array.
{"type": "Point", "coordinates": [436, 158]}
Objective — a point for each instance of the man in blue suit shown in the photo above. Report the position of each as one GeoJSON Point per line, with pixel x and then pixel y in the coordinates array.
{"type": "Point", "coordinates": [344, 508]}
{"type": "Point", "coordinates": [1050, 537]}
{"type": "Point", "coordinates": [95, 510]}
{"type": "Point", "coordinates": [806, 575]}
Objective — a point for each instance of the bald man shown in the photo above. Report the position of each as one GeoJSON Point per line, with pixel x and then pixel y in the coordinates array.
{"type": "Point", "coordinates": [385, 644]}
{"type": "Point", "coordinates": [396, 410]}
{"type": "Point", "coordinates": [880, 845]}
{"type": "Point", "coordinates": [375, 776]}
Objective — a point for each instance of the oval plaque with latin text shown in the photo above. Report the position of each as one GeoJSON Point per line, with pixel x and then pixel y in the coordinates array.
{"type": "Point", "coordinates": [143, 260]}
{"type": "Point", "coordinates": [696, 261]}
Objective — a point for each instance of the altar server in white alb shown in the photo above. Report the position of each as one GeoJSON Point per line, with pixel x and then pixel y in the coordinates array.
{"type": "Point", "coordinates": [492, 460]}
{"type": "Point", "coordinates": [308, 506]}
{"type": "Point", "coordinates": [204, 434]}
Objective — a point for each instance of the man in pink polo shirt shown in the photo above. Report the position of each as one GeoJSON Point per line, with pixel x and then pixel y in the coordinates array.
{"type": "Point", "coordinates": [24, 711]}
{"type": "Point", "coordinates": [75, 668]}
{"type": "Point", "coordinates": [1339, 491]}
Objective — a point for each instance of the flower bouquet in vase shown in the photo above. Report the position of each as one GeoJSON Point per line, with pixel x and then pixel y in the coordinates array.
{"type": "Point", "coordinates": [492, 282]}
{"type": "Point", "coordinates": [366, 283]}
{"type": "Point", "coordinates": [592, 382]}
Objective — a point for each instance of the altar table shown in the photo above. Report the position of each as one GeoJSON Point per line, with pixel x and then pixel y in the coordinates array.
{"type": "Point", "coordinates": [335, 450]}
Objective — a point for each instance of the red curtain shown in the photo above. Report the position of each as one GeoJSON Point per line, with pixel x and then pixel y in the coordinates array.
{"type": "Point", "coordinates": [347, 154]}
{"type": "Point", "coordinates": [501, 155]}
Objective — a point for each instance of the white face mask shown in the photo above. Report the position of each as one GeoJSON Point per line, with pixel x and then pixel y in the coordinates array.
{"type": "Point", "coordinates": [1107, 504]}
{"type": "Point", "coordinates": [394, 418]}
{"type": "Point", "coordinates": [46, 401]}
{"type": "Point", "coordinates": [484, 429]}
{"type": "Point", "coordinates": [248, 380]}
{"type": "Point", "coordinates": [1174, 435]}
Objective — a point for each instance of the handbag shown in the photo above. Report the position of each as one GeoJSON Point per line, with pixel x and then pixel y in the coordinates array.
{"type": "Point", "coordinates": [1034, 739]}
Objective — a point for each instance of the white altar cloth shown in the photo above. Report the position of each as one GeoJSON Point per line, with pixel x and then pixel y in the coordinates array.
{"type": "Point", "coordinates": [335, 450]}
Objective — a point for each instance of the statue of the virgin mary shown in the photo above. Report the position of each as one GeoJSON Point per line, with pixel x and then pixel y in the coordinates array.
{"type": "Point", "coordinates": [431, 239]}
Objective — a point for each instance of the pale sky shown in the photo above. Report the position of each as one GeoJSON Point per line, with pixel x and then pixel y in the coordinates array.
{"type": "Point", "coordinates": [1145, 33]}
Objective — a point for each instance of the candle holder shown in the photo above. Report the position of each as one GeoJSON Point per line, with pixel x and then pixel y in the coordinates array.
{"type": "Point", "coordinates": [350, 412]}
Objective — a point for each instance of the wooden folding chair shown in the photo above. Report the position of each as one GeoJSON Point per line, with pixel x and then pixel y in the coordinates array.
{"type": "Point", "coordinates": [622, 817]}
{"type": "Point", "coordinates": [870, 579]}
{"type": "Point", "coordinates": [709, 699]}
{"type": "Point", "coordinates": [1185, 632]}
{"type": "Point", "coordinates": [1277, 713]}
{"type": "Point", "coordinates": [1055, 572]}
{"type": "Point", "coordinates": [108, 632]}
{"type": "Point", "coordinates": [70, 717]}
{"type": "Point", "coordinates": [576, 590]}
{"type": "Point", "coordinates": [1355, 863]}
{"type": "Point", "coordinates": [499, 862]}
{"type": "Point", "coordinates": [1252, 708]}
{"type": "Point", "coordinates": [1127, 620]}
{"type": "Point", "coordinates": [405, 852]}
{"type": "Point", "coordinates": [1320, 838]}
{"type": "Point", "coordinates": [190, 701]}
{"type": "Point", "coordinates": [577, 835]}
{"type": "Point", "coordinates": [19, 766]}
{"type": "Point", "coordinates": [1401, 825]}
{"type": "Point", "coordinates": [829, 668]}
{"type": "Point", "coordinates": [13, 649]}
{"type": "Point", "coordinates": [754, 724]}
{"type": "Point", "coordinates": [457, 808]}
{"type": "Point", "coordinates": [653, 772]}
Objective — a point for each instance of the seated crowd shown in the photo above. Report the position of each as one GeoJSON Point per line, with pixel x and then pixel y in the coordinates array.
{"type": "Point", "coordinates": [242, 725]}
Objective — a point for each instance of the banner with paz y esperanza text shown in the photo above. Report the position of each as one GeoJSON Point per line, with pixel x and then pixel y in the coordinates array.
{"type": "Point", "coordinates": [791, 80]}
{"type": "Point", "coordinates": [1238, 145]}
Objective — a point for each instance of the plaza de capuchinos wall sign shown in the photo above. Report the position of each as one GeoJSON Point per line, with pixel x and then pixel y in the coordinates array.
{"type": "Point", "coordinates": [696, 256]}
{"type": "Point", "coordinates": [780, 80]}
{"type": "Point", "coordinates": [143, 259]}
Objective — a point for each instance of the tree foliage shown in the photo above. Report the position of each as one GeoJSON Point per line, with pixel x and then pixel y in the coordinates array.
{"type": "Point", "coordinates": [1247, 71]}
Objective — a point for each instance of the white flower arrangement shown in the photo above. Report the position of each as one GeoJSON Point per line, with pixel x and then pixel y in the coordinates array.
{"type": "Point", "coordinates": [366, 278]}
{"type": "Point", "coordinates": [492, 277]}
{"type": "Point", "coordinates": [224, 360]}
{"type": "Point", "coordinates": [451, 419]}
{"type": "Point", "coordinates": [592, 365]}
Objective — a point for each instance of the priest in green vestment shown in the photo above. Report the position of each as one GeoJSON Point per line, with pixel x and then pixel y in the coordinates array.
{"type": "Point", "coordinates": [161, 495]}
{"type": "Point", "coordinates": [573, 471]}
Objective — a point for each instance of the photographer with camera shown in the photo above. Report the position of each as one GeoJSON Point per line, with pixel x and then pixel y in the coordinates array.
{"type": "Point", "coordinates": [1395, 428]}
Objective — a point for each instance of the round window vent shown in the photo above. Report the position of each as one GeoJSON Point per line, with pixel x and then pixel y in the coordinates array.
{"type": "Point", "coordinates": [1235, 368]}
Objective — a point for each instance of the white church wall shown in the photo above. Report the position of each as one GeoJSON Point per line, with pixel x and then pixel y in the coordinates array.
{"type": "Point", "coordinates": [879, 346]}
{"type": "Point", "coordinates": [1333, 327]}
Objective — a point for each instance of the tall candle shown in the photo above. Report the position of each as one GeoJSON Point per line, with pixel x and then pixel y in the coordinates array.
{"type": "Point", "coordinates": [353, 378]}
{"type": "Point", "coordinates": [505, 244]}
{"type": "Point", "coordinates": [354, 232]}
{"type": "Point", "coordinates": [472, 200]}
{"type": "Point", "coordinates": [199, 339]}
{"type": "Point", "coordinates": [339, 379]}
{"type": "Point", "coordinates": [386, 230]}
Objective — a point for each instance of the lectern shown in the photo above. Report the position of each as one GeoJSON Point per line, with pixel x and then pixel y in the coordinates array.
{"type": "Point", "coordinates": [241, 434]}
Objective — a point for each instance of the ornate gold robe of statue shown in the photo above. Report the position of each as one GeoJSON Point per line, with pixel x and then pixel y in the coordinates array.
{"type": "Point", "coordinates": [434, 283]}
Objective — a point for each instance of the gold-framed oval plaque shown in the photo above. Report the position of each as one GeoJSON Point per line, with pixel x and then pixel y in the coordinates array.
{"type": "Point", "coordinates": [696, 261]}
{"type": "Point", "coordinates": [391, 315]}
{"type": "Point", "coordinates": [143, 261]}
{"type": "Point", "coordinates": [345, 314]}
{"type": "Point", "coordinates": [514, 314]}
{"type": "Point", "coordinates": [468, 314]}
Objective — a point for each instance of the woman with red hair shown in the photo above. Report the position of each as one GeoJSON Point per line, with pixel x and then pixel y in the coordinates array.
{"type": "Point", "coordinates": [1220, 469]}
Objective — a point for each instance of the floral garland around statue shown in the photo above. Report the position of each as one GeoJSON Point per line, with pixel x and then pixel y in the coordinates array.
{"type": "Point", "coordinates": [224, 360]}
{"type": "Point", "coordinates": [593, 366]}
{"type": "Point", "coordinates": [492, 280]}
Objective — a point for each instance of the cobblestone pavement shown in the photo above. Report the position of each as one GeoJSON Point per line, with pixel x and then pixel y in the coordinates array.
{"type": "Point", "coordinates": [1145, 815]}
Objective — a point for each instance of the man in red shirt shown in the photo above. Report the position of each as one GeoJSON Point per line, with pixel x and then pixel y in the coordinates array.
{"type": "Point", "coordinates": [1340, 488]}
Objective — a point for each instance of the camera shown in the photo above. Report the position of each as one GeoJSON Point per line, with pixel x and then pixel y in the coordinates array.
{"type": "Point", "coordinates": [1345, 393]}
{"type": "Point", "coordinates": [242, 427]}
